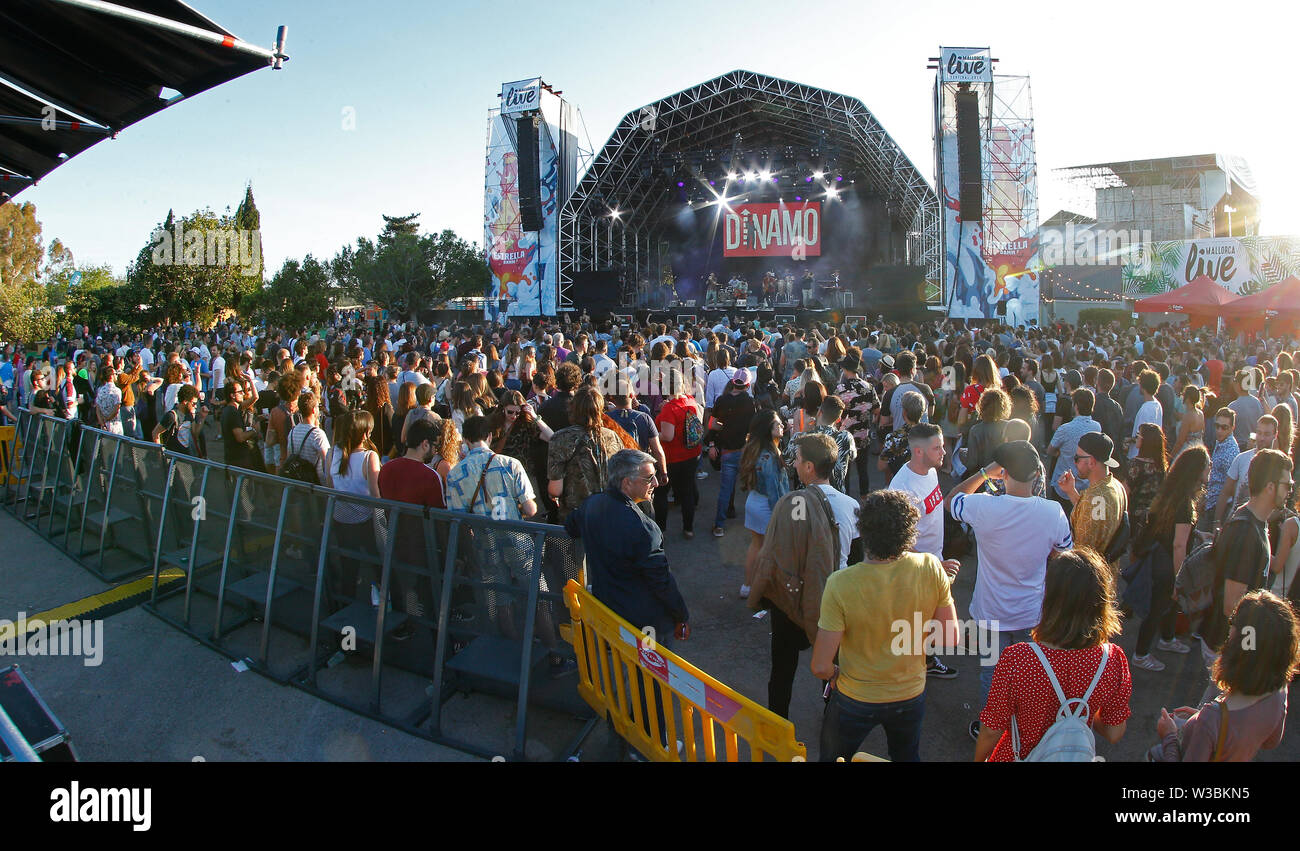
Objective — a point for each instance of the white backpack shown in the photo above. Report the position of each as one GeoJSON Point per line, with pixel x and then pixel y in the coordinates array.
{"type": "Point", "coordinates": [1069, 739]}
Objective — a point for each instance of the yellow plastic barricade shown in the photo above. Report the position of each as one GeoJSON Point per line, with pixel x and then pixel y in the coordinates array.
{"type": "Point", "coordinates": [8, 446]}
{"type": "Point", "coordinates": [621, 674]}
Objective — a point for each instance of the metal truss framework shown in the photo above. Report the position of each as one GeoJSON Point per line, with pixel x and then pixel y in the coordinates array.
{"type": "Point", "coordinates": [709, 116]}
{"type": "Point", "coordinates": [1011, 182]}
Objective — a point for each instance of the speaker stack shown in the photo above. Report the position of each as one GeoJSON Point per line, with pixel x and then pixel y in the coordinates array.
{"type": "Point", "coordinates": [530, 178]}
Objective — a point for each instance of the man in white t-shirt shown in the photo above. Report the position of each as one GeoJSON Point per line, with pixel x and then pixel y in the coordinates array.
{"type": "Point", "coordinates": [218, 370]}
{"type": "Point", "coordinates": [1151, 410]}
{"type": "Point", "coordinates": [1015, 534]}
{"type": "Point", "coordinates": [815, 471]}
{"type": "Point", "coordinates": [919, 479]}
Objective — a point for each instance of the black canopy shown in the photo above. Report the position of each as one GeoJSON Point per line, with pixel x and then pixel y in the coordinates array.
{"type": "Point", "coordinates": [103, 66]}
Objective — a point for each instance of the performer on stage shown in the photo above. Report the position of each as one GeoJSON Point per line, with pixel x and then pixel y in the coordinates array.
{"type": "Point", "coordinates": [769, 288]}
{"type": "Point", "coordinates": [711, 288]}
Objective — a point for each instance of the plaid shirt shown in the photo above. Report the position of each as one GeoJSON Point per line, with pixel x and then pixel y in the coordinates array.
{"type": "Point", "coordinates": [504, 487]}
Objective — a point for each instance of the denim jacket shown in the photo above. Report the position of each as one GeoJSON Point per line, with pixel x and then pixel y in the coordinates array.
{"type": "Point", "coordinates": [772, 481]}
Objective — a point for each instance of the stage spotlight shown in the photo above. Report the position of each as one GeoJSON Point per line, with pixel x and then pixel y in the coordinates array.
{"type": "Point", "coordinates": [807, 180]}
{"type": "Point", "coordinates": [765, 176]}
{"type": "Point", "coordinates": [832, 194]}
{"type": "Point", "coordinates": [753, 175]}
{"type": "Point", "coordinates": [614, 214]}
{"type": "Point", "coordinates": [731, 175]}
{"type": "Point", "coordinates": [680, 184]}
{"type": "Point", "coordinates": [798, 198]}
{"type": "Point", "coordinates": [711, 183]}
{"type": "Point", "coordinates": [818, 175]}
{"type": "Point", "coordinates": [838, 178]}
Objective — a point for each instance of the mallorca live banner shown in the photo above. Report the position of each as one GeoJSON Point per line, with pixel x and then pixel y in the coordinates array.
{"type": "Point", "coordinates": [524, 264]}
{"type": "Point", "coordinates": [772, 230]}
{"type": "Point", "coordinates": [1241, 265]}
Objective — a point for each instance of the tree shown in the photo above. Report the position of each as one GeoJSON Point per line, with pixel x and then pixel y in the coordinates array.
{"type": "Point", "coordinates": [20, 243]}
{"type": "Point", "coordinates": [100, 296]}
{"type": "Point", "coordinates": [404, 272]}
{"type": "Point", "coordinates": [248, 219]}
{"type": "Point", "coordinates": [299, 295]}
{"type": "Point", "coordinates": [199, 265]}
{"type": "Point", "coordinates": [24, 304]}
{"type": "Point", "coordinates": [25, 314]}
{"type": "Point", "coordinates": [59, 268]}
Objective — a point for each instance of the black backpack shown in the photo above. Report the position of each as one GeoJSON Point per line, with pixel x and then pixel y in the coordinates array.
{"type": "Point", "coordinates": [299, 468]}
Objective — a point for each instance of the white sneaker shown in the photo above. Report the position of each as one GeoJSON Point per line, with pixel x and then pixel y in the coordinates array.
{"type": "Point", "coordinates": [744, 592]}
{"type": "Point", "coordinates": [1148, 663]}
{"type": "Point", "coordinates": [702, 474]}
{"type": "Point", "coordinates": [1174, 646]}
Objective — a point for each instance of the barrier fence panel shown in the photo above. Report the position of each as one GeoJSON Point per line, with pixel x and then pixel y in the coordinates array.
{"type": "Point", "coordinates": [387, 608]}
{"type": "Point", "coordinates": [87, 491]}
{"type": "Point", "coordinates": [622, 674]}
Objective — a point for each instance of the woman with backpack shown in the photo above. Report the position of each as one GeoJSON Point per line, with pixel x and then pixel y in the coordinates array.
{"type": "Point", "coordinates": [1253, 670]}
{"type": "Point", "coordinates": [307, 444]}
{"type": "Point", "coordinates": [681, 433]}
{"type": "Point", "coordinates": [1071, 654]}
{"type": "Point", "coordinates": [578, 455]}
{"type": "Point", "coordinates": [1163, 545]}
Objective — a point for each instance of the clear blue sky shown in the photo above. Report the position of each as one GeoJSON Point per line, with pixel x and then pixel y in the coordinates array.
{"type": "Point", "coordinates": [1111, 81]}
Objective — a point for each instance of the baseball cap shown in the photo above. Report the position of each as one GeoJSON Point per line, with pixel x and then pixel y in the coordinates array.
{"type": "Point", "coordinates": [1019, 458]}
{"type": "Point", "coordinates": [1099, 446]}
{"type": "Point", "coordinates": [741, 378]}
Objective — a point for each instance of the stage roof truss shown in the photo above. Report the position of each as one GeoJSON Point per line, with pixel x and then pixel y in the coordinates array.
{"type": "Point", "coordinates": [709, 116]}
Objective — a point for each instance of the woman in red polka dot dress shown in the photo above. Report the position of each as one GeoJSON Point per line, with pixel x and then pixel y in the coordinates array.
{"type": "Point", "coordinates": [1079, 617]}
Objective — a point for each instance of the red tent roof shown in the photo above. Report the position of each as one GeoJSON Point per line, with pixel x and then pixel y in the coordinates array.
{"type": "Point", "coordinates": [1277, 307]}
{"type": "Point", "coordinates": [1201, 296]}
{"type": "Point", "coordinates": [1282, 297]}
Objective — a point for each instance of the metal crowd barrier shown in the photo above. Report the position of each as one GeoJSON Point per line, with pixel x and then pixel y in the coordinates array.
{"type": "Point", "coordinates": [95, 494]}
{"type": "Point", "coordinates": [278, 573]}
{"type": "Point", "coordinates": [621, 676]}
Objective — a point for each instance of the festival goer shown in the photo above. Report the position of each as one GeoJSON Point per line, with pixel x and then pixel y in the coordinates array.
{"type": "Point", "coordinates": [1161, 549]}
{"type": "Point", "coordinates": [1241, 549]}
{"type": "Point", "coordinates": [919, 479]}
{"type": "Point", "coordinates": [681, 433]}
{"type": "Point", "coordinates": [1236, 479]}
{"type": "Point", "coordinates": [1014, 535]}
{"type": "Point", "coordinates": [577, 455]}
{"type": "Point", "coordinates": [1072, 637]}
{"type": "Point", "coordinates": [872, 684]}
{"type": "Point", "coordinates": [1145, 474]}
{"type": "Point", "coordinates": [1098, 513]}
{"type": "Point", "coordinates": [729, 423]}
{"type": "Point", "coordinates": [1260, 658]}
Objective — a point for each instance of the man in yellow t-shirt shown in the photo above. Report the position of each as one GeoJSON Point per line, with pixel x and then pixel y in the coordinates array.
{"type": "Point", "coordinates": [882, 615]}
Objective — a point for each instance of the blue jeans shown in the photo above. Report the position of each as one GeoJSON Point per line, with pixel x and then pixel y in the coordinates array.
{"type": "Point", "coordinates": [129, 428]}
{"type": "Point", "coordinates": [999, 641]}
{"type": "Point", "coordinates": [730, 459]}
{"type": "Point", "coordinates": [847, 722]}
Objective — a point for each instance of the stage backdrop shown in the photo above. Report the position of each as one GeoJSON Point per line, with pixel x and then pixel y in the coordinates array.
{"type": "Point", "coordinates": [524, 264]}
{"type": "Point", "coordinates": [1241, 265]}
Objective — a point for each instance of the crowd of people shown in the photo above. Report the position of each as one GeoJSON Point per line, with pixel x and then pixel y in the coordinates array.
{"type": "Point", "coordinates": [1084, 461]}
